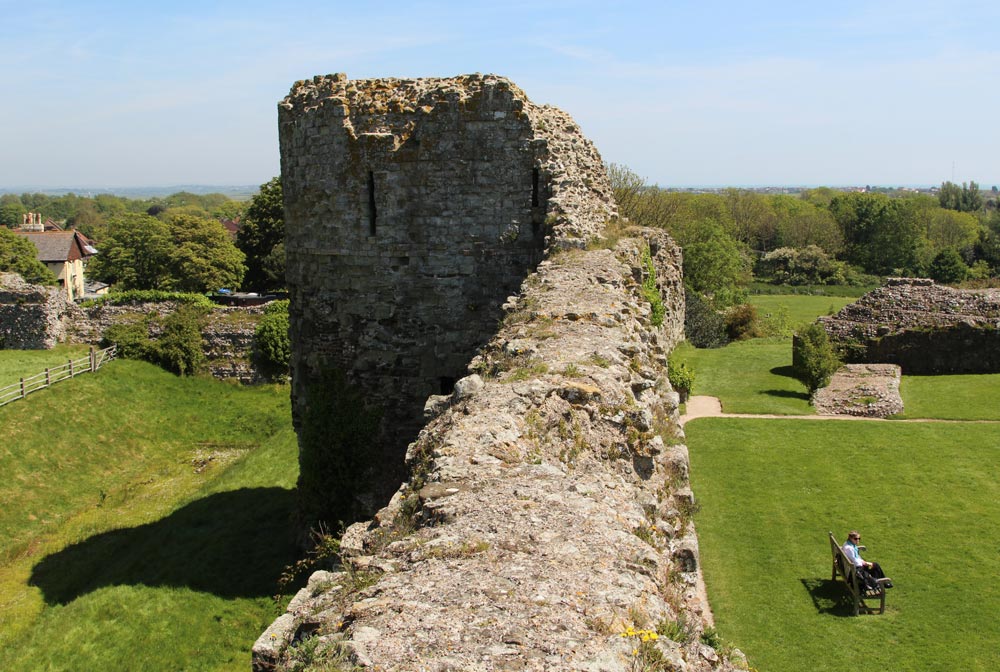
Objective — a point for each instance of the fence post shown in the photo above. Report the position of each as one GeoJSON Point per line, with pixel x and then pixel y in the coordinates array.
{"type": "Point", "coordinates": [23, 395]}
{"type": "Point", "coordinates": [48, 377]}
{"type": "Point", "coordinates": [93, 360]}
{"type": "Point", "coordinates": [71, 368]}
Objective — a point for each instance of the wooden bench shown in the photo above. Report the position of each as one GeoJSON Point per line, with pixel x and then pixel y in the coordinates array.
{"type": "Point", "coordinates": [855, 586]}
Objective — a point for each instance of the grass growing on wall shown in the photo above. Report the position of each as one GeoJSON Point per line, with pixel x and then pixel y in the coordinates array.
{"type": "Point", "coordinates": [926, 499]}
{"type": "Point", "coordinates": [144, 521]}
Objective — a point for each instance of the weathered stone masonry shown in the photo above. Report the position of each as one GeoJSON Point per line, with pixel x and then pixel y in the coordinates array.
{"type": "Point", "coordinates": [547, 508]}
{"type": "Point", "coordinates": [922, 327]}
{"type": "Point", "coordinates": [413, 209]}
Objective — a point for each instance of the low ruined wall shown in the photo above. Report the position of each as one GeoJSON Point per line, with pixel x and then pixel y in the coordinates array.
{"type": "Point", "coordinates": [227, 336]}
{"type": "Point", "coordinates": [922, 327]}
{"type": "Point", "coordinates": [33, 317]}
{"type": "Point", "coordinates": [548, 509]}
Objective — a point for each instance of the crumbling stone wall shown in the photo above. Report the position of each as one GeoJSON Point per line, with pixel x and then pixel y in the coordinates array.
{"type": "Point", "coordinates": [923, 327]}
{"type": "Point", "coordinates": [547, 513]}
{"type": "Point", "coordinates": [413, 208]}
{"type": "Point", "coordinates": [227, 338]}
{"type": "Point", "coordinates": [548, 509]}
{"type": "Point", "coordinates": [33, 317]}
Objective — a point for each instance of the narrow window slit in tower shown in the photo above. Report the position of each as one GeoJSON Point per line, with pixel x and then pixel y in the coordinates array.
{"type": "Point", "coordinates": [534, 187]}
{"type": "Point", "coordinates": [371, 203]}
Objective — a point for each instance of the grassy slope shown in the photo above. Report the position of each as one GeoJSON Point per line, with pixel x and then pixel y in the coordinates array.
{"type": "Point", "coordinates": [146, 526]}
{"type": "Point", "coordinates": [17, 364]}
{"type": "Point", "coordinates": [924, 496]}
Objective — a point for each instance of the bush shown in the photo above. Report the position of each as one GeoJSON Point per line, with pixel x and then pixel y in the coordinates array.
{"type": "Point", "coordinates": [132, 340]}
{"type": "Point", "coordinates": [134, 296]}
{"type": "Point", "coordinates": [650, 292]}
{"type": "Point", "coordinates": [704, 326]}
{"type": "Point", "coordinates": [681, 378]}
{"type": "Point", "coordinates": [742, 322]}
{"type": "Point", "coordinates": [813, 358]}
{"type": "Point", "coordinates": [272, 349]}
{"type": "Point", "coordinates": [948, 266]}
{"type": "Point", "coordinates": [179, 348]}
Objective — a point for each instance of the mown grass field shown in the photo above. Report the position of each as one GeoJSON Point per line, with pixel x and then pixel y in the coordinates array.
{"type": "Point", "coordinates": [924, 495]}
{"type": "Point", "coordinates": [951, 397]}
{"type": "Point", "coordinates": [926, 499]}
{"type": "Point", "coordinates": [144, 521]}
{"type": "Point", "coordinates": [800, 309]}
{"type": "Point", "coordinates": [753, 376]}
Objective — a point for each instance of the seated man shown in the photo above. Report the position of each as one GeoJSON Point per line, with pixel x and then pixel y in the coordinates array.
{"type": "Point", "coordinates": [870, 572]}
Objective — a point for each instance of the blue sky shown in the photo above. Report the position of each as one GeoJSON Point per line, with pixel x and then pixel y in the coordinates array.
{"type": "Point", "coordinates": [105, 94]}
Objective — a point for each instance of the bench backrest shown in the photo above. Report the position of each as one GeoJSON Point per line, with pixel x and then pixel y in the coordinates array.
{"type": "Point", "coordinates": [842, 563]}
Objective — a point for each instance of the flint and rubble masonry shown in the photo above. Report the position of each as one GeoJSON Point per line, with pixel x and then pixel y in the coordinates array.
{"type": "Point", "coordinates": [544, 512]}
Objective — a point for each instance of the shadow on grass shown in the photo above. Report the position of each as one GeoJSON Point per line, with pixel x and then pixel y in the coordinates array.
{"type": "Point", "coordinates": [231, 544]}
{"type": "Point", "coordinates": [784, 371]}
{"type": "Point", "coordinates": [787, 394]}
{"type": "Point", "coordinates": [829, 596]}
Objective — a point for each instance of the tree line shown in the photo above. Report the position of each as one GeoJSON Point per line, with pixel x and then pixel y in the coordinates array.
{"type": "Point", "coordinates": [175, 243]}
{"type": "Point", "coordinates": [822, 236]}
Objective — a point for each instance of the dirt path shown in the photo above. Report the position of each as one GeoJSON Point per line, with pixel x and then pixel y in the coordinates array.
{"type": "Point", "coordinates": [711, 407]}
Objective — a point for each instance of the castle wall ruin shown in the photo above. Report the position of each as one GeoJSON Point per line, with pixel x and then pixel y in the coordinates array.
{"type": "Point", "coordinates": [413, 208]}
{"type": "Point", "coordinates": [922, 327]}
{"type": "Point", "coordinates": [545, 517]}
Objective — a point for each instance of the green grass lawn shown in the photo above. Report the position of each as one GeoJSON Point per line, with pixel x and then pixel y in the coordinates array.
{"type": "Point", "coordinates": [752, 376]}
{"type": "Point", "coordinates": [801, 309]}
{"type": "Point", "coordinates": [17, 364]}
{"type": "Point", "coordinates": [144, 521]}
{"type": "Point", "coordinates": [926, 499]}
{"type": "Point", "coordinates": [755, 376]}
{"type": "Point", "coordinates": [970, 397]}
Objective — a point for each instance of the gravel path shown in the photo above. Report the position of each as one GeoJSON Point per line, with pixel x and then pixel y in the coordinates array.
{"type": "Point", "coordinates": [711, 407]}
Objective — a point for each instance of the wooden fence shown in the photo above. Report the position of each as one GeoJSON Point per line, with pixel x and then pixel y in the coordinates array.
{"type": "Point", "coordinates": [94, 360]}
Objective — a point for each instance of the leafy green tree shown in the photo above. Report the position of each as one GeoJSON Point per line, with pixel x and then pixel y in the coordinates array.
{"type": "Point", "coordinates": [202, 256]}
{"type": "Point", "coordinates": [754, 220]}
{"type": "Point", "coordinates": [135, 254]}
{"type": "Point", "coordinates": [715, 265]}
{"type": "Point", "coordinates": [261, 238]}
{"type": "Point", "coordinates": [799, 223]}
{"type": "Point", "coordinates": [966, 198]}
{"type": "Point", "coordinates": [18, 255]}
{"type": "Point", "coordinates": [813, 359]}
{"type": "Point", "coordinates": [11, 210]}
{"type": "Point", "coordinates": [948, 266]}
{"type": "Point", "coordinates": [948, 228]}
{"type": "Point", "coordinates": [882, 235]}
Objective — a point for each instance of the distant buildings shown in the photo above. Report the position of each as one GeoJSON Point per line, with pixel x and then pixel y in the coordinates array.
{"type": "Point", "coordinates": [65, 253]}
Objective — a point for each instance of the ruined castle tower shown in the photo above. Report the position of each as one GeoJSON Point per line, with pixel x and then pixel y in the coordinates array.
{"type": "Point", "coordinates": [413, 208]}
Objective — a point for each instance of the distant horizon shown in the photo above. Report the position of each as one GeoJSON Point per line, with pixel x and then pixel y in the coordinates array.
{"type": "Point", "coordinates": [209, 188]}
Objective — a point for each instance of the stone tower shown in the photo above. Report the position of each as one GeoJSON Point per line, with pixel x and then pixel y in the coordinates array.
{"type": "Point", "coordinates": [413, 209]}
